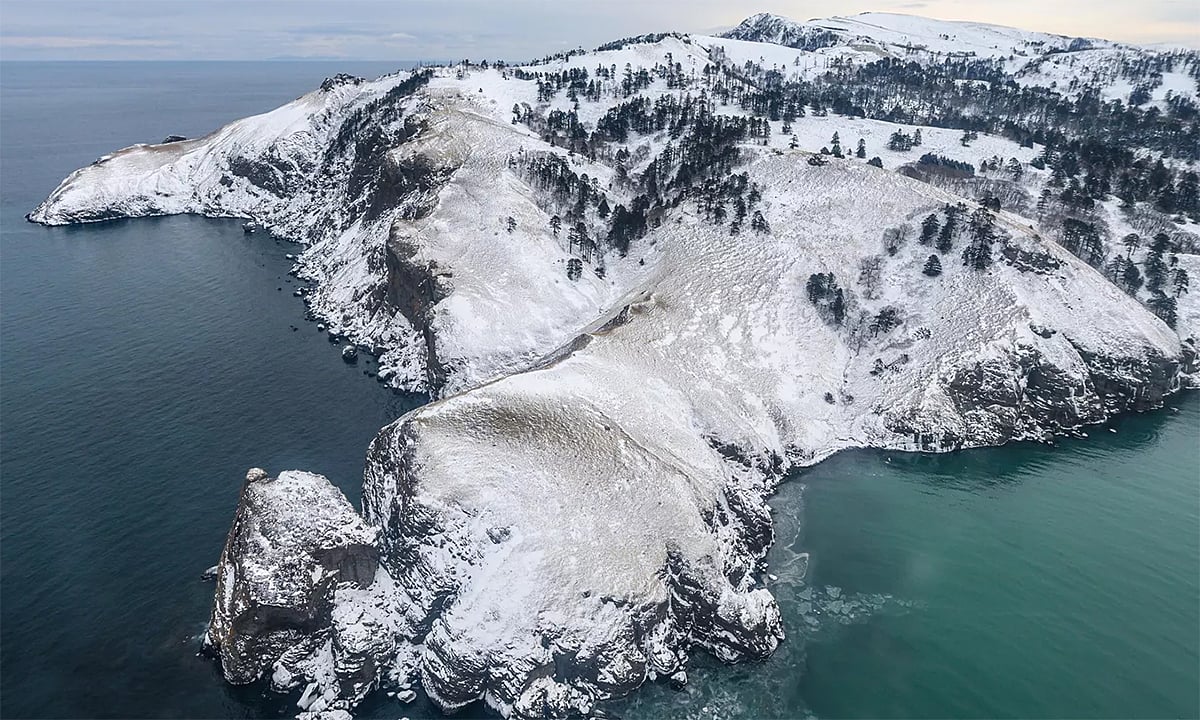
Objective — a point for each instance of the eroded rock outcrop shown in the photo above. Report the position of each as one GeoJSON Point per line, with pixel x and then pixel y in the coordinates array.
{"type": "Point", "coordinates": [300, 594]}
{"type": "Point", "coordinates": [541, 597]}
{"type": "Point", "coordinates": [539, 605]}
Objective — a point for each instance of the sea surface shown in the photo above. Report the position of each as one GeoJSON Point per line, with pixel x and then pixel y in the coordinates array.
{"type": "Point", "coordinates": [145, 365]}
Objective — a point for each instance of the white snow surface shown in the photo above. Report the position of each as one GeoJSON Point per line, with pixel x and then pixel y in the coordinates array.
{"type": "Point", "coordinates": [598, 463]}
{"type": "Point", "coordinates": [1032, 58]}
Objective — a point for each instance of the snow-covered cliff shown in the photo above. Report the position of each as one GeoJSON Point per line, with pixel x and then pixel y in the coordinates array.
{"type": "Point", "coordinates": [640, 296]}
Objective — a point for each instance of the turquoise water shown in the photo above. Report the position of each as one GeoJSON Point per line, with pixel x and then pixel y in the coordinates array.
{"type": "Point", "coordinates": [144, 365]}
{"type": "Point", "coordinates": [1018, 582]}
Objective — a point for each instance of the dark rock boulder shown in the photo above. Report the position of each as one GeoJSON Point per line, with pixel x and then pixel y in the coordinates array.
{"type": "Point", "coordinates": [294, 540]}
{"type": "Point", "coordinates": [1132, 381]}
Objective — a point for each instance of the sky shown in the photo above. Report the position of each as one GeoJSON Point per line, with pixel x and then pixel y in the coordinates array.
{"type": "Point", "coordinates": [492, 29]}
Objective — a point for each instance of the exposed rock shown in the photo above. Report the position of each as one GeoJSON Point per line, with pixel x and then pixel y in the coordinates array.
{"type": "Point", "coordinates": [1038, 262]}
{"type": "Point", "coordinates": [414, 288]}
{"type": "Point", "coordinates": [1132, 381]}
{"type": "Point", "coordinates": [340, 79]}
{"type": "Point", "coordinates": [294, 542]}
{"type": "Point", "coordinates": [591, 606]}
{"type": "Point", "coordinates": [764, 27]}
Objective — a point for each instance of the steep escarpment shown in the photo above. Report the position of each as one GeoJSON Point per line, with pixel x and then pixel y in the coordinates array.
{"type": "Point", "coordinates": [616, 560]}
{"type": "Point", "coordinates": [596, 600]}
{"type": "Point", "coordinates": [301, 597]}
{"type": "Point", "coordinates": [332, 170]}
{"type": "Point", "coordinates": [1025, 395]}
{"type": "Point", "coordinates": [414, 288]}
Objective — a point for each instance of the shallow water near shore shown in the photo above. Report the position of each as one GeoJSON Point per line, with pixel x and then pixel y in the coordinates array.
{"type": "Point", "coordinates": [1023, 581]}
{"type": "Point", "coordinates": [145, 365]}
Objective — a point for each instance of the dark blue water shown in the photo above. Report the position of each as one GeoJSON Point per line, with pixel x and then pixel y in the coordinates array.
{"type": "Point", "coordinates": [145, 365]}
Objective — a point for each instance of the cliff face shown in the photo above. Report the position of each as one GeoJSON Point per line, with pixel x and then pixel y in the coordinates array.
{"type": "Point", "coordinates": [297, 561]}
{"type": "Point", "coordinates": [622, 383]}
{"type": "Point", "coordinates": [614, 561]}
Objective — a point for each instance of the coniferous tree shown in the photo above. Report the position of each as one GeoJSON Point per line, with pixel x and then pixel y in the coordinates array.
{"type": "Point", "coordinates": [1131, 279]}
{"type": "Point", "coordinates": [1043, 201]}
{"type": "Point", "coordinates": [885, 321]}
{"type": "Point", "coordinates": [1115, 269]}
{"type": "Point", "coordinates": [1164, 306]}
{"type": "Point", "coordinates": [945, 239]}
{"type": "Point", "coordinates": [573, 239]}
{"type": "Point", "coordinates": [581, 237]}
{"type": "Point", "coordinates": [824, 293]}
{"type": "Point", "coordinates": [1155, 266]}
{"type": "Point", "coordinates": [861, 152]}
{"type": "Point", "coordinates": [933, 266]}
{"type": "Point", "coordinates": [978, 253]}
{"type": "Point", "coordinates": [629, 224]}
{"type": "Point", "coordinates": [1179, 280]}
{"type": "Point", "coordinates": [929, 229]}
{"type": "Point", "coordinates": [758, 223]}
{"type": "Point", "coordinates": [1131, 242]}
{"type": "Point", "coordinates": [901, 141]}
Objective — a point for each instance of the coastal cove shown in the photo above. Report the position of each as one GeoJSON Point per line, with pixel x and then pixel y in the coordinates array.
{"type": "Point", "coordinates": [148, 363]}
{"type": "Point", "coordinates": [146, 366]}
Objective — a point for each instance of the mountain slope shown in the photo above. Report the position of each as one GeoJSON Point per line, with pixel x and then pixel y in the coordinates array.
{"type": "Point", "coordinates": [1029, 58]}
{"type": "Point", "coordinates": [626, 479]}
{"type": "Point", "coordinates": [642, 292]}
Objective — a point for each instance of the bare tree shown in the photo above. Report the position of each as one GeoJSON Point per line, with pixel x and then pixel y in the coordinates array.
{"type": "Point", "coordinates": [870, 272]}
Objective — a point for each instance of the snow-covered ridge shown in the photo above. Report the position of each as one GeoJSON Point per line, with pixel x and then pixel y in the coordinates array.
{"type": "Point", "coordinates": [1030, 58]}
{"type": "Point", "coordinates": [629, 350]}
{"type": "Point", "coordinates": [910, 32]}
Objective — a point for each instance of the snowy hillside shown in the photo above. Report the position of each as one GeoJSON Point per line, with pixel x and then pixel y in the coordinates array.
{"type": "Point", "coordinates": [645, 280]}
{"type": "Point", "coordinates": [1030, 58]}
